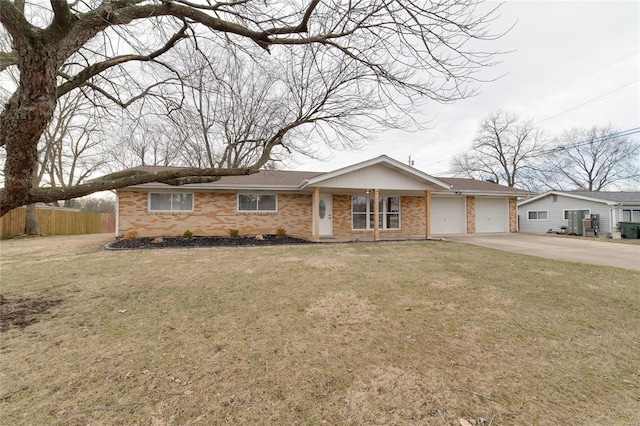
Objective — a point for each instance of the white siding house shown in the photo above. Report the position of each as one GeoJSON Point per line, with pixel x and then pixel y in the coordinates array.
{"type": "Point", "coordinates": [549, 210]}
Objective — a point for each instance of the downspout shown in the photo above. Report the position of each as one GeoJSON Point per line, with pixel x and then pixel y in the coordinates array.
{"type": "Point", "coordinates": [612, 217]}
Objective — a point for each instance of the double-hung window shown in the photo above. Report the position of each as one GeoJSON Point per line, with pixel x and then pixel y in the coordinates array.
{"type": "Point", "coordinates": [257, 202]}
{"type": "Point", "coordinates": [363, 212]}
{"type": "Point", "coordinates": [631, 215]}
{"type": "Point", "coordinates": [538, 215]}
{"type": "Point", "coordinates": [170, 202]}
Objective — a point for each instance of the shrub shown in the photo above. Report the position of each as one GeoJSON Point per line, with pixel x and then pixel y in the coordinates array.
{"type": "Point", "coordinates": [281, 232]}
{"type": "Point", "coordinates": [131, 234]}
{"type": "Point", "coordinates": [234, 233]}
{"type": "Point", "coordinates": [187, 234]}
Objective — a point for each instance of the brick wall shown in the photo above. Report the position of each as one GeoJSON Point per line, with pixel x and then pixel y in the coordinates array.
{"type": "Point", "coordinates": [412, 218]}
{"type": "Point", "coordinates": [513, 214]}
{"type": "Point", "coordinates": [471, 214]}
{"type": "Point", "coordinates": [215, 214]}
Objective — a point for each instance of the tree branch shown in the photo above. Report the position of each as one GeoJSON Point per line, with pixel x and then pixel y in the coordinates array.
{"type": "Point", "coordinates": [97, 68]}
{"type": "Point", "coordinates": [118, 180]}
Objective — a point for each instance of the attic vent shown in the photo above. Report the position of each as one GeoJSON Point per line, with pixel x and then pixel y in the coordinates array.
{"type": "Point", "coordinates": [554, 198]}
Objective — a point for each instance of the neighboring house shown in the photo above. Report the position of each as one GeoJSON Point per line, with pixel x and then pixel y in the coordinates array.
{"type": "Point", "coordinates": [341, 203]}
{"type": "Point", "coordinates": [552, 209]}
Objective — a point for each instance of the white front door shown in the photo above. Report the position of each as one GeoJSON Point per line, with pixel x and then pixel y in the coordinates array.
{"type": "Point", "coordinates": [325, 212]}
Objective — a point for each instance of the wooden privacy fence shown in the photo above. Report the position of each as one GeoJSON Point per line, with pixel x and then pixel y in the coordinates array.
{"type": "Point", "coordinates": [58, 222]}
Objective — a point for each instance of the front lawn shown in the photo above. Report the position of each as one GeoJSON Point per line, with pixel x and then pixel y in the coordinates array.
{"type": "Point", "coordinates": [363, 333]}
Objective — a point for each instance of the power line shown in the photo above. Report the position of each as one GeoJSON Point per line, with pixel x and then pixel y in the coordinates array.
{"type": "Point", "coordinates": [560, 148]}
{"type": "Point", "coordinates": [584, 76]}
{"type": "Point", "coordinates": [589, 101]}
{"type": "Point", "coordinates": [616, 135]}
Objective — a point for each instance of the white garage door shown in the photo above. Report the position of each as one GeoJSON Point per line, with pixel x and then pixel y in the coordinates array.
{"type": "Point", "coordinates": [492, 215]}
{"type": "Point", "coordinates": [448, 215]}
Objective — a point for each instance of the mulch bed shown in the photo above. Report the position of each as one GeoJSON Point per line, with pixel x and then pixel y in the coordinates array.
{"type": "Point", "coordinates": [217, 241]}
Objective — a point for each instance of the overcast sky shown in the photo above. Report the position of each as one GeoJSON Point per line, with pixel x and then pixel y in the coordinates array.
{"type": "Point", "coordinates": [574, 64]}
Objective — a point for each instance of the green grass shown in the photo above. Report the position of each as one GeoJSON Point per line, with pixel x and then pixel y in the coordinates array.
{"type": "Point", "coordinates": [363, 333]}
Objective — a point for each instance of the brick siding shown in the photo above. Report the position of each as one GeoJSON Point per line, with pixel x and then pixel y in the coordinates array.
{"type": "Point", "coordinates": [471, 214]}
{"type": "Point", "coordinates": [412, 218]}
{"type": "Point", "coordinates": [513, 214]}
{"type": "Point", "coordinates": [214, 214]}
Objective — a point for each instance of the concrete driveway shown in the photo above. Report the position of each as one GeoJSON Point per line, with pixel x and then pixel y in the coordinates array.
{"type": "Point", "coordinates": [558, 247]}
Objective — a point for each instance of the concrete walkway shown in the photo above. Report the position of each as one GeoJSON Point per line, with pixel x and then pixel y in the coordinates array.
{"type": "Point", "coordinates": [582, 250]}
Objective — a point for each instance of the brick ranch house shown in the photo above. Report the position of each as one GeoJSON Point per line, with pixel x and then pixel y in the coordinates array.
{"type": "Point", "coordinates": [374, 199]}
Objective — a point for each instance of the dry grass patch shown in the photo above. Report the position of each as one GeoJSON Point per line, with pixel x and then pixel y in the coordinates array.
{"type": "Point", "coordinates": [389, 333]}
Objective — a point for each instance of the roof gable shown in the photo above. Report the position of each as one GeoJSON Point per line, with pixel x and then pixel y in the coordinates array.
{"type": "Point", "coordinates": [605, 197]}
{"type": "Point", "coordinates": [380, 172]}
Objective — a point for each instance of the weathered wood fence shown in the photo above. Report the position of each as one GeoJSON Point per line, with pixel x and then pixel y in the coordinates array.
{"type": "Point", "coordinates": [58, 222]}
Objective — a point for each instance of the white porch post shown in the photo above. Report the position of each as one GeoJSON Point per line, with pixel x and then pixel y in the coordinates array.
{"type": "Point", "coordinates": [376, 214]}
{"type": "Point", "coordinates": [316, 214]}
{"type": "Point", "coordinates": [117, 215]}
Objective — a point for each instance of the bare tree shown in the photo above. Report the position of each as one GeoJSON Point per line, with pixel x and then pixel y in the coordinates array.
{"type": "Point", "coordinates": [71, 147]}
{"type": "Point", "coordinates": [407, 53]}
{"type": "Point", "coordinates": [69, 151]}
{"type": "Point", "coordinates": [503, 152]}
{"type": "Point", "coordinates": [146, 141]}
{"type": "Point", "coordinates": [591, 159]}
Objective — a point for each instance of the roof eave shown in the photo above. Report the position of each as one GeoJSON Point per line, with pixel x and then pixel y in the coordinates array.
{"type": "Point", "coordinates": [480, 193]}
{"type": "Point", "coordinates": [207, 186]}
{"type": "Point", "coordinates": [570, 195]}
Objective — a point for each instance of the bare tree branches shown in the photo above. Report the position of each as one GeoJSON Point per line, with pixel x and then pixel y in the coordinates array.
{"type": "Point", "coordinates": [590, 159]}
{"type": "Point", "coordinates": [401, 52]}
{"type": "Point", "coordinates": [503, 150]}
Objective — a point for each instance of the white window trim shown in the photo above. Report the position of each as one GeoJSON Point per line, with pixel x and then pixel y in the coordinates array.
{"type": "Point", "coordinates": [537, 214]}
{"type": "Point", "coordinates": [255, 211]}
{"type": "Point", "coordinates": [630, 210]}
{"type": "Point", "coordinates": [381, 213]}
{"type": "Point", "coordinates": [193, 201]}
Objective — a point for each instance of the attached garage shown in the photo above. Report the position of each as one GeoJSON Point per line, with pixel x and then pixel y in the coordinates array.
{"type": "Point", "coordinates": [492, 215]}
{"type": "Point", "coordinates": [448, 215]}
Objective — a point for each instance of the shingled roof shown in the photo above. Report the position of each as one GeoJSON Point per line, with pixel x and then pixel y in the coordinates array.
{"type": "Point", "coordinates": [473, 185]}
{"type": "Point", "coordinates": [287, 179]}
{"type": "Point", "coordinates": [607, 197]}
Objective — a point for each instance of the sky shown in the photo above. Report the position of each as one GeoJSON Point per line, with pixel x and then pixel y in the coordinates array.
{"type": "Point", "coordinates": [572, 64]}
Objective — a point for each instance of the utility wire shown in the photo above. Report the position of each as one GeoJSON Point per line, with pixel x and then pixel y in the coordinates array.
{"type": "Point", "coordinates": [560, 148]}
{"type": "Point", "coordinates": [584, 76]}
{"type": "Point", "coordinates": [588, 101]}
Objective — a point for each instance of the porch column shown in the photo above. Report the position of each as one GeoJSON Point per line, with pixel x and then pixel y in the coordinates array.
{"type": "Point", "coordinates": [316, 214]}
{"type": "Point", "coordinates": [427, 198]}
{"type": "Point", "coordinates": [376, 214]}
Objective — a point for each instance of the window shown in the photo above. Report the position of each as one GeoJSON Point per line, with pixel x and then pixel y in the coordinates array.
{"type": "Point", "coordinates": [362, 212]}
{"type": "Point", "coordinates": [629, 215]}
{"type": "Point", "coordinates": [538, 215]}
{"type": "Point", "coordinates": [257, 202]}
{"type": "Point", "coordinates": [585, 214]}
{"type": "Point", "coordinates": [170, 202]}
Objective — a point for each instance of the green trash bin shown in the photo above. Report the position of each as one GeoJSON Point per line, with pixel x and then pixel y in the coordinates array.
{"type": "Point", "coordinates": [630, 230]}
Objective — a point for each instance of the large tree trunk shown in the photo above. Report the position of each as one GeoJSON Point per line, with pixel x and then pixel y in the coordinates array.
{"type": "Point", "coordinates": [25, 118]}
{"type": "Point", "coordinates": [32, 227]}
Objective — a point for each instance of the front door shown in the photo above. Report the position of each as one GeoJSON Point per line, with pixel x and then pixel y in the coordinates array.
{"type": "Point", "coordinates": [325, 212]}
